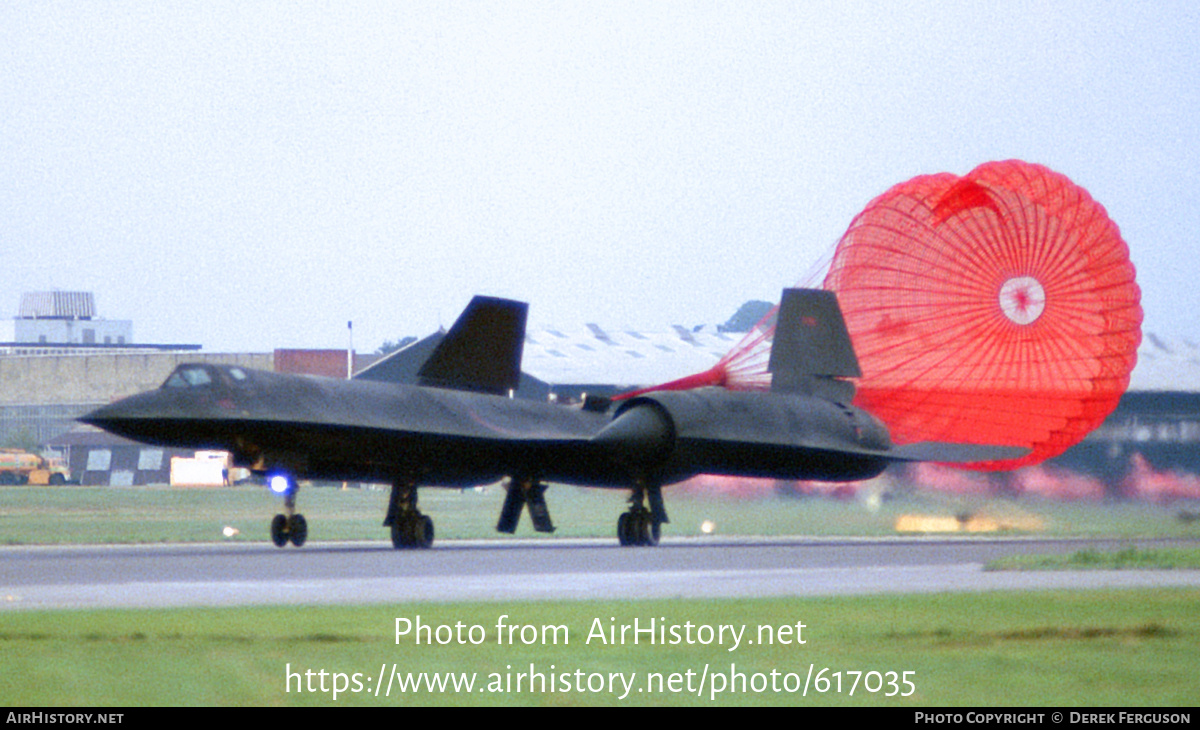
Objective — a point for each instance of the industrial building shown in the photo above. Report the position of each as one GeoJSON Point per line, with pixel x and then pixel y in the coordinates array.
{"type": "Point", "coordinates": [63, 318]}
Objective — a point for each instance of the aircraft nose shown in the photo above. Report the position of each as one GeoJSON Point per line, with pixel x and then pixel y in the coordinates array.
{"type": "Point", "coordinates": [115, 412]}
{"type": "Point", "coordinates": [127, 416]}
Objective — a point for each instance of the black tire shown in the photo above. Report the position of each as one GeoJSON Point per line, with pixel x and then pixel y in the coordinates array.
{"type": "Point", "coordinates": [412, 531]}
{"type": "Point", "coordinates": [398, 537]}
{"type": "Point", "coordinates": [298, 530]}
{"type": "Point", "coordinates": [651, 532]}
{"type": "Point", "coordinates": [623, 536]}
{"type": "Point", "coordinates": [425, 532]}
{"type": "Point", "coordinates": [279, 530]}
{"type": "Point", "coordinates": [57, 480]}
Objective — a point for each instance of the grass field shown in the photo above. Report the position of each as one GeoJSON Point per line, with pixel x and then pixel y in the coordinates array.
{"type": "Point", "coordinates": [48, 515]}
{"type": "Point", "coordinates": [1117, 648]}
{"type": "Point", "coordinates": [1130, 558]}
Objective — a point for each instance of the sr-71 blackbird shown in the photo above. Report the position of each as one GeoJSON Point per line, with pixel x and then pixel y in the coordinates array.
{"type": "Point", "coordinates": [458, 426]}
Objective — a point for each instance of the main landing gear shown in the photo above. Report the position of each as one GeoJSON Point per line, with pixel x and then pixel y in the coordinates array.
{"type": "Point", "coordinates": [642, 526]}
{"type": "Point", "coordinates": [637, 527]}
{"type": "Point", "coordinates": [291, 526]}
{"type": "Point", "coordinates": [410, 528]}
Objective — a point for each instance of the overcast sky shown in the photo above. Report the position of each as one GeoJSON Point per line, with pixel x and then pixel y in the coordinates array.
{"type": "Point", "coordinates": [253, 175]}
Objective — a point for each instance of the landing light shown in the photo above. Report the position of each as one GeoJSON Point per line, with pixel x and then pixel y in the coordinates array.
{"type": "Point", "coordinates": [279, 484]}
{"type": "Point", "coordinates": [874, 501]}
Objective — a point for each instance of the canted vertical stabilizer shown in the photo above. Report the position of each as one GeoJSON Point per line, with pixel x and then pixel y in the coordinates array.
{"type": "Point", "coordinates": [482, 351]}
{"type": "Point", "coordinates": [811, 350]}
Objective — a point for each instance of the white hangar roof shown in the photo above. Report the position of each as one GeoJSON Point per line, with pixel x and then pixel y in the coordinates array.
{"type": "Point", "coordinates": [630, 357]}
{"type": "Point", "coordinates": [624, 357]}
{"type": "Point", "coordinates": [1166, 364]}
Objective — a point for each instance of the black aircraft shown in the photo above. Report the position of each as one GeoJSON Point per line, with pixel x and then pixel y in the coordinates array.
{"type": "Point", "coordinates": [457, 425]}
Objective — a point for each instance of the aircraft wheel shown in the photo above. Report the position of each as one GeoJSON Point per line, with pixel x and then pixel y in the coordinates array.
{"type": "Point", "coordinates": [638, 528]}
{"type": "Point", "coordinates": [279, 530]}
{"type": "Point", "coordinates": [425, 532]}
{"type": "Point", "coordinates": [400, 539]}
{"type": "Point", "coordinates": [649, 530]}
{"type": "Point", "coordinates": [623, 532]}
{"type": "Point", "coordinates": [413, 531]}
{"type": "Point", "coordinates": [298, 530]}
{"type": "Point", "coordinates": [641, 529]}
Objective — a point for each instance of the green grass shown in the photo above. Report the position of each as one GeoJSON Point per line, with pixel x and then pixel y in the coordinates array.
{"type": "Point", "coordinates": [49, 515]}
{"type": "Point", "coordinates": [1114, 648]}
{"type": "Point", "coordinates": [1130, 558]}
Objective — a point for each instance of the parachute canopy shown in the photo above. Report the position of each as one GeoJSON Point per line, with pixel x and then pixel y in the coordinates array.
{"type": "Point", "coordinates": [999, 307]}
{"type": "Point", "coordinates": [995, 308]}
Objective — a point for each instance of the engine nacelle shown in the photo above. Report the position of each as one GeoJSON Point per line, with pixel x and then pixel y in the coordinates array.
{"type": "Point", "coordinates": [647, 430]}
{"type": "Point", "coordinates": [642, 433]}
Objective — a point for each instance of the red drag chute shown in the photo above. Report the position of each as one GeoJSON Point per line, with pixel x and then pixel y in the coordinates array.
{"type": "Point", "coordinates": [998, 307]}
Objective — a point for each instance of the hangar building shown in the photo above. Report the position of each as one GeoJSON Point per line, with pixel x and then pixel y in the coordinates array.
{"type": "Point", "coordinates": [1158, 418]}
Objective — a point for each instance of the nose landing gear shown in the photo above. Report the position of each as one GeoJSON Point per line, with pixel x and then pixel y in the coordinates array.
{"type": "Point", "coordinates": [290, 526]}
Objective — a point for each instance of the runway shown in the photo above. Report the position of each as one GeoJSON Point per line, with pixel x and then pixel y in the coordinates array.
{"type": "Point", "coordinates": [350, 573]}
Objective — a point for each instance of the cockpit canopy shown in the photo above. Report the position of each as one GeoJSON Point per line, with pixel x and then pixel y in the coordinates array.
{"type": "Point", "coordinates": [198, 376]}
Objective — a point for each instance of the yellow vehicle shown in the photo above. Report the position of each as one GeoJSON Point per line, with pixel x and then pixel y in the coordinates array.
{"type": "Point", "coordinates": [18, 466]}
